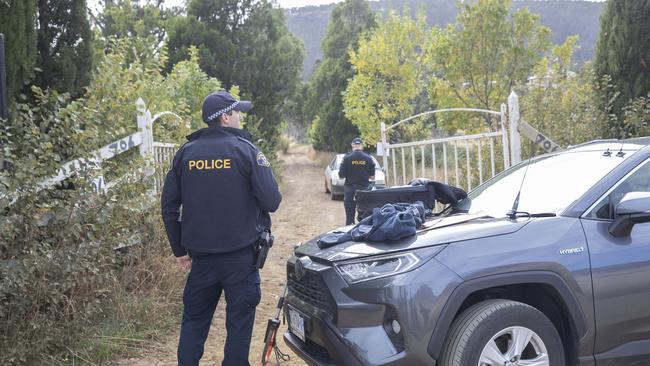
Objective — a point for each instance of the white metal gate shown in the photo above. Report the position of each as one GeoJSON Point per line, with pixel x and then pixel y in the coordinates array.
{"type": "Point", "coordinates": [483, 155]}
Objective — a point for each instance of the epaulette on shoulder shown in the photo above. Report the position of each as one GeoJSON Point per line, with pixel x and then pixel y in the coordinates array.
{"type": "Point", "coordinates": [180, 148]}
{"type": "Point", "coordinates": [248, 142]}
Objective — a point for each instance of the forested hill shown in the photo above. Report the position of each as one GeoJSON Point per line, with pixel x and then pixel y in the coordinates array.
{"type": "Point", "coordinates": [564, 17]}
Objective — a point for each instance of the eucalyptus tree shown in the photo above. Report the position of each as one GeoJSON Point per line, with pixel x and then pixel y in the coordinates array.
{"type": "Point", "coordinates": [476, 61]}
{"type": "Point", "coordinates": [389, 76]}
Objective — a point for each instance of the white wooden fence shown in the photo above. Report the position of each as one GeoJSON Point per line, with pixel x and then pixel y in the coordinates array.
{"type": "Point", "coordinates": [161, 153]}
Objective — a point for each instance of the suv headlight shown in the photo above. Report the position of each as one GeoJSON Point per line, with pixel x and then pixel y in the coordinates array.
{"type": "Point", "coordinates": [360, 270]}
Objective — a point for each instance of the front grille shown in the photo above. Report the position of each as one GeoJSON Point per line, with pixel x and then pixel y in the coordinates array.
{"type": "Point", "coordinates": [311, 289]}
{"type": "Point", "coordinates": [317, 348]}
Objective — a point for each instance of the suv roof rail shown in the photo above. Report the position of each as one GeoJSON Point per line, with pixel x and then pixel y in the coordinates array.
{"type": "Point", "coordinates": [643, 140]}
{"type": "Point", "coordinates": [592, 142]}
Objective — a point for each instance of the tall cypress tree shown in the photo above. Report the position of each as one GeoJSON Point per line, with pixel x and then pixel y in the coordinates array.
{"type": "Point", "coordinates": [215, 27]}
{"type": "Point", "coordinates": [333, 131]}
{"type": "Point", "coordinates": [244, 43]}
{"type": "Point", "coordinates": [623, 52]}
{"type": "Point", "coordinates": [17, 19]}
{"type": "Point", "coordinates": [64, 45]}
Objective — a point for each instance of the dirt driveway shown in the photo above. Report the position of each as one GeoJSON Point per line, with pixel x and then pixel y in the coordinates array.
{"type": "Point", "coordinates": [305, 211]}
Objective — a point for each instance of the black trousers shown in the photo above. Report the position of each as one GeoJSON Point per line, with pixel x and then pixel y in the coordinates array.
{"type": "Point", "coordinates": [350, 202]}
{"type": "Point", "coordinates": [235, 275]}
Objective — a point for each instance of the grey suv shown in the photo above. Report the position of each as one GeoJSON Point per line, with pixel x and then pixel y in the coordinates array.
{"type": "Point", "coordinates": [548, 263]}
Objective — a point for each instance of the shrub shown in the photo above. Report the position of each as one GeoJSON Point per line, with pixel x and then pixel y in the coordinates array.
{"type": "Point", "coordinates": [66, 293]}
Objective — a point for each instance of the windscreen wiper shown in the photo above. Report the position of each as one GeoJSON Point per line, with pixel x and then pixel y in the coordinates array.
{"type": "Point", "coordinates": [513, 215]}
{"type": "Point", "coordinates": [451, 220]}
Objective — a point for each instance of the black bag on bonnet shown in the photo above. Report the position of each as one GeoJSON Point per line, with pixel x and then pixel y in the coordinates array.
{"type": "Point", "coordinates": [424, 190]}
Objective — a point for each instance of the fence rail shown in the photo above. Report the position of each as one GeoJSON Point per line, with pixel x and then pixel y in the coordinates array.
{"type": "Point", "coordinates": [163, 154]}
{"type": "Point", "coordinates": [143, 139]}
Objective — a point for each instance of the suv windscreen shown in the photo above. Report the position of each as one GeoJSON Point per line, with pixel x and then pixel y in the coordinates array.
{"type": "Point", "coordinates": [551, 184]}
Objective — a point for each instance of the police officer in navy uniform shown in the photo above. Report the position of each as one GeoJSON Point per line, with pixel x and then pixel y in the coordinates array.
{"type": "Point", "coordinates": [215, 205]}
{"type": "Point", "coordinates": [358, 169]}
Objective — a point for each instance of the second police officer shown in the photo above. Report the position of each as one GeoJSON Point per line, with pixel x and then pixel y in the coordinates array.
{"type": "Point", "coordinates": [226, 188]}
{"type": "Point", "coordinates": [358, 169]}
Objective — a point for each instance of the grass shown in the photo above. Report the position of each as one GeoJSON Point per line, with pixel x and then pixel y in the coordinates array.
{"type": "Point", "coordinates": [321, 157]}
{"type": "Point", "coordinates": [142, 307]}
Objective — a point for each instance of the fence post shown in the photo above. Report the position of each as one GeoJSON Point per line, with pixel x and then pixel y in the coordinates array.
{"type": "Point", "coordinates": [145, 126]}
{"type": "Point", "coordinates": [514, 118]}
{"type": "Point", "coordinates": [504, 138]}
{"type": "Point", "coordinates": [384, 152]}
{"type": "Point", "coordinates": [4, 97]}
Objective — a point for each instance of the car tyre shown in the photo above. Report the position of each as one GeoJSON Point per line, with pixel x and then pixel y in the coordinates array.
{"type": "Point", "coordinates": [502, 332]}
{"type": "Point", "coordinates": [327, 190]}
{"type": "Point", "coordinates": [335, 197]}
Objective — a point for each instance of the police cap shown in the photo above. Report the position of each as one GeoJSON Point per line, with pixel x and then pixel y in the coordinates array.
{"type": "Point", "coordinates": [215, 104]}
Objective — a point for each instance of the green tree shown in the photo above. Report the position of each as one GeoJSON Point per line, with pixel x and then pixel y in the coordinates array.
{"type": "Point", "coordinates": [187, 85]}
{"type": "Point", "coordinates": [64, 46]}
{"type": "Point", "coordinates": [215, 28]}
{"type": "Point", "coordinates": [131, 18]}
{"type": "Point", "coordinates": [244, 43]}
{"type": "Point", "coordinates": [623, 56]}
{"type": "Point", "coordinates": [268, 70]}
{"type": "Point", "coordinates": [144, 23]}
{"type": "Point", "coordinates": [389, 77]}
{"type": "Point", "coordinates": [332, 130]}
{"type": "Point", "coordinates": [479, 59]}
{"type": "Point", "coordinates": [560, 102]}
{"type": "Point", "coordinates": [636, 115]}
{"type": "Point", "coordinates": [17, 18]}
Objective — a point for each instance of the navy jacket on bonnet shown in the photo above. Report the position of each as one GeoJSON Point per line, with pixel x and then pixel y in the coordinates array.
{"type": "Point", "coordinates": [226, 188]}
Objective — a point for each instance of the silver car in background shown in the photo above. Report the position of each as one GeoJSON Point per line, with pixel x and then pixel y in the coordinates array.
{"type": "Point", "coordinates": [334, 184]}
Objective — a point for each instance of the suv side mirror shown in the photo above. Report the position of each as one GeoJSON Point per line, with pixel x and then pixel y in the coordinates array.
{"type": "Point", "coordinates": [633, 209]}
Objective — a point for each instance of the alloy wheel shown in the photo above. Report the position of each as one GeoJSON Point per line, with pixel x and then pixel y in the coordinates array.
{"type": "Point", "coordinates": [515, 346]}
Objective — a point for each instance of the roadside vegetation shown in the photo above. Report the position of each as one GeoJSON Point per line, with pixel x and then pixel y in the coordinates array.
{"type": "Point", "coordinates": [67, 294]}
{"type": "Point", "coordinates": [87, 277]}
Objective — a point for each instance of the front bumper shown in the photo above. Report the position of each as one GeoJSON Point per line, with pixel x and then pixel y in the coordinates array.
{"type": "Point", "coordinates": [351, 326]}
{"type": "Point", "coordinates": [337, 189]}
{"type": "Point", "coordinates": [316, 355]}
